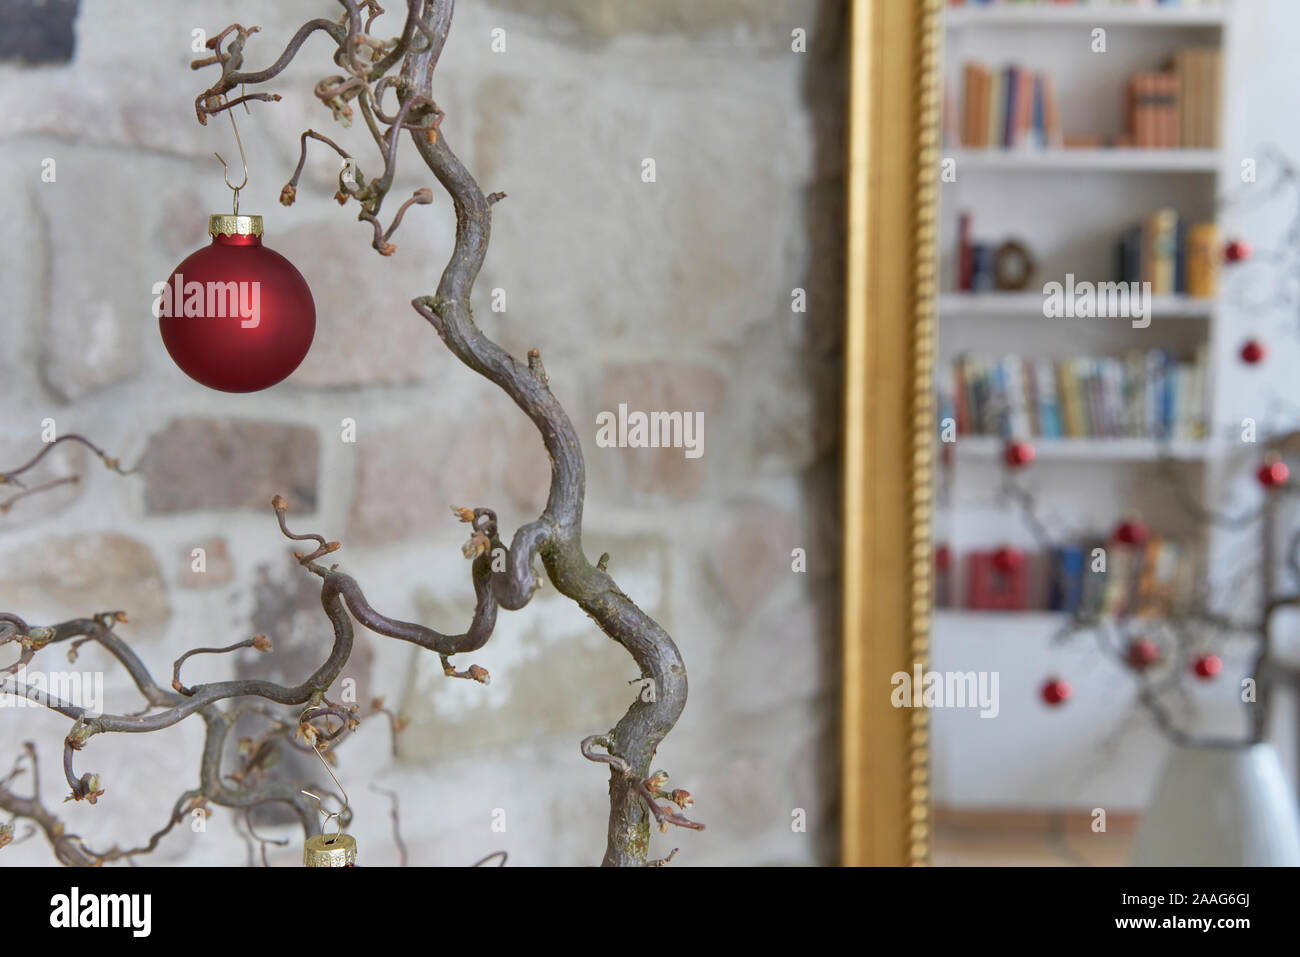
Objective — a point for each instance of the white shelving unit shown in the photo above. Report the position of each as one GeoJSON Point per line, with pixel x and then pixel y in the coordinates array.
{"type": "Point", "coordinates": [1068, 207]}
{"type": "Point", "coordinates": [1095, 14]}
{"type": "Point", "coordinates": [979, 447]}
{"type": "Point", "coordinates": [1029, 305]}
{"type": "Point", "coordinates": [1089, 160]}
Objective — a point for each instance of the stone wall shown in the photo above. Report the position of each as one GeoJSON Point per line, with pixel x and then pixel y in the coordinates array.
{"type": "Point", "coordinates": [669, 295]}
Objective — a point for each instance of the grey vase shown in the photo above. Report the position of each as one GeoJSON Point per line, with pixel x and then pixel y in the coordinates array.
{"type": "Point", "coordinates": [1225, 807]}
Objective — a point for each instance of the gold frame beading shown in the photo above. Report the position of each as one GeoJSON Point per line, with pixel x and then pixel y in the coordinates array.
{"type": "Point", "coordinates": [892, 276]}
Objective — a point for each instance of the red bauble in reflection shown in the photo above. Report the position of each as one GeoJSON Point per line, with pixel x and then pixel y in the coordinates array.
{"type": "Point", "coordinates": [236, 316]}
{"type": "Point", "coordinates": [1206, 667]}
{"type": "Point", "coordinates": [1143, 653]}
{"type": "Point", "coordinates": [1131, 532]}
{"type": "Point", "coordinates": [1008, 560]}
{"type": "Point", "coordinates": [1273, 473]}
{"type": "Point", "coordinates": [1252, 352]}
{"type": "Point", "coordinates": [1055, 691]}
{"type": "Point", "coordinates": [1237, 250]}
{"type": "Point", "coordinates": [1017, 454]}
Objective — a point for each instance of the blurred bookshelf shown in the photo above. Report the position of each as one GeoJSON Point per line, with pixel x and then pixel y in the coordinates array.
{"type": "Point", "coordinates": [1067, 204]}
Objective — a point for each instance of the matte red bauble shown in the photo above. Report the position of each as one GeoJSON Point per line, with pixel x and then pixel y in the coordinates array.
{"type": "Point", "coordinates": [1206, 666]}
{"type": "Point", "coordinates": [1008, 560]}
{"type": "Point", "coordinates": [236, 316]}
{"type": "Point", "coordinates": [1272, 474]}
{"type": "Point", "coordinates": [1252, 352]}
{"type": "Point", "coordinates": [1131, 532]}
{"type": "Point", "coordinates": [1236, 251]}
{"type": "Point", "coordinates": [1143, 653]}
{"type": "Point", "coordinates": [1018, 454]}
{"type": "Point", "coordinates": [1056, 691]}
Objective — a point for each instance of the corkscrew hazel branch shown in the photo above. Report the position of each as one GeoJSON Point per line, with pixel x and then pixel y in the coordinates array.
{"type": "Point", "coordinates": [554, 537]}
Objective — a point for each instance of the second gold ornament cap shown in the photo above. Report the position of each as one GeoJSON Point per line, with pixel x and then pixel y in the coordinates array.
{"type": "Point", "coordinates": [234, 224]}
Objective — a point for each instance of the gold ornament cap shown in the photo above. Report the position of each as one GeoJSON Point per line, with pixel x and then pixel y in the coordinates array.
{"type": "Point", "coordinates": [336, 850]}
{"type": "Point", "coordinates": [234, 224]}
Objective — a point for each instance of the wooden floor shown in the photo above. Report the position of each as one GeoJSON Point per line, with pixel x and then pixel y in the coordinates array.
{"type": "Point", "coordinates": [966, 838]}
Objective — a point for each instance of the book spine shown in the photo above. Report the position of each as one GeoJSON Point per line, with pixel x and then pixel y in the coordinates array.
{"type": "Point", "coordinates": [964, 258]}
{"type": "Point", "coordinates": [1137, 93]}
{"type": "Point", "coordinates": [1146, 246]}
{"type": "Point", "coordinates": [1053, 136]}
{"type": "Point", "coordinates": [1196, 107]}
{"type": "Point", "coordinates": [1180, 259]}
{"type": "Point", "coordinates": [1150, 84]}
{"type": "Point", "coordinates": [1173, 108]}
{"type": "Point", "coordinates": [1033, 408]}
{"type": "Point", "coordinates": [1011, 82]}
{"type": "Point", "coordinates": [1185, 138]}
{"type": "Point", "coordinates": [1024, 107]}
{"type": "Point", "coordinates": [1202, 262]}
{"type": "Point", "coordinates": [1049, 414]}
{"type": "Point", "coordinates": [1212, 104]}
{"type": "Point", "coordinates": [1133, 262]}
{"type": "Point", "coordinates": [1038, 125]}
{"type": "Point", "coordinates": [969, 98]}
{"type": "Point", "coordinates": [993, 109]}
{"type": "Point", "coordinates": [1164, 240]}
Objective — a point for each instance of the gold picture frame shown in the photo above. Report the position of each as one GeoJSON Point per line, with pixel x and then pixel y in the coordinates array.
{"type": "Point", "coordinates": [892, 272]}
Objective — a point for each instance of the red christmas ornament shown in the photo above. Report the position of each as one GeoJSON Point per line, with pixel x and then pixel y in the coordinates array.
{"type": "Point", "coordinates": [1236, 251]}
{"type": "Point", "coordinates": [1131, 532]}
{"type": "Point", "coordinates": [1143, 653]}
{"type": "Point", "coordinates": [1055, 691]}
{"type": "Point", "coordinates": [1008, 560]}
{"type": "Point", "coordinates": [1017, 454]}
{"type": "Point", "coordinates": [1206, 667]}
{"type": "Point", "coordinates": [236, 316]}
{"type": "Point", "coordinates": [1252, 352]}
{"type": "Point", "coordinates": [1273, 473]}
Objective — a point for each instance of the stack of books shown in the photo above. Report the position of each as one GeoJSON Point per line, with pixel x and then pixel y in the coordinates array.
{"type": "Point", "coordinates": [1176, 257]}
{"type": "Point", "coordinates": [1176, 107]}
{"type": "Point", "coordinates": [1013, 107]}
{"type": "Point", "coordinates": [1148, 395]}
{"type": "Point", "coordinates": [1153, 580]}
{"type": "Point", "coordinates": [1010, 108]}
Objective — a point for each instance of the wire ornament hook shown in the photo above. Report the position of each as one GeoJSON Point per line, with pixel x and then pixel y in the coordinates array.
{"type": "Point", "coordinates": [335, 816]}
{"type": "Point", "coordinates": [243, 161]}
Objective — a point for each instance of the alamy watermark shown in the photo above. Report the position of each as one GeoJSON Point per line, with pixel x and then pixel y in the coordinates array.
{"type": "Point", "coordinates": [946, 689]}
{"type": "Point", "coordinates": [39, 689]}
{"type": "Point", "coordinates": [1098, 300]}
{"type": "Point", "coordinates": [210, 300]}
{"type": "Point", "coordinates": [651, 430]}
{"type": "Point", "coordinates": [133, 912]}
